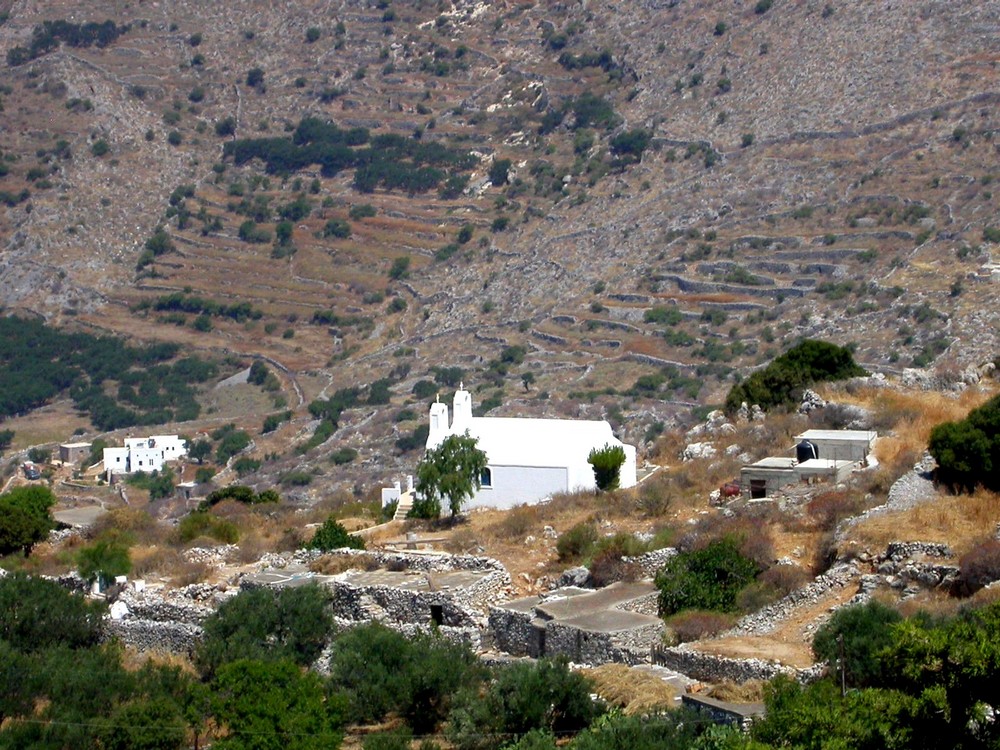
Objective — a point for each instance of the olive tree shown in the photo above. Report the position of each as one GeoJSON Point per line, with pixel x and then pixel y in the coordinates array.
{"type": "Point", "coordinates": [451, 471]}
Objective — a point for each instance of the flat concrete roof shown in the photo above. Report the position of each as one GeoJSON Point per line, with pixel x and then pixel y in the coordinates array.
{"type": "Point", "coordinates": [823, 464]}
{"type": "Point", "coordinates": [773, 462]}
{"type": "Point", "coordinates": [296, 575]}
{"type": "Point", "coordinates": [589, 602]}
{"type": "Point", "coordinates": [415, 580]}
{"type": "Point", "coordinates": [75, 445]}
{"type": "Point", "coordinates": [610, 621]}
{"type": "Point", "coordinates": [844, 436]}
{"type": "Point", "coordinates": [84, 516]}
{"type": "Point", "coordinates": [742, 709]}
{"type": "Point", "coordinates": [525, 605]}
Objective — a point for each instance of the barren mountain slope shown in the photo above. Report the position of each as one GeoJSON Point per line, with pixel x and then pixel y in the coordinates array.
{"type": "Point", "coordinates": [817, 168]}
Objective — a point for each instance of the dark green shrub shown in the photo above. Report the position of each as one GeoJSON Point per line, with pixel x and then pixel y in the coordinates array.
{"type": "Point", "coordinates": [708, 578]}
{"type": "Point", "coordinates": [400, 268]}
{"type": "Point", "coordinates": [343, 456]}
{"type": "Point", "coordinates": [499, 170]}
{"type": "Point", "coordinates": [202, 523]}
{"type": "Point", "coordinates": [331, 535]}
{"type": "Point", "coordinates": [382, 672]}
{"type": "Point", "coordinates": [37, 614]}
{"type": "Point", "coordinates": [337, 228]}
{"type": "Point", "coordinates": [544, 695]}
{"type": "Point", "coordinates": [362, 211]}
{"type": "Point", "coordinates": [245, 465]}
{"type": "Point", "coordinates": [268, 625]}
{"type": "Point", "coordinates": [577, 543]}
{"type": "Point", "coordinates": [866, 630]}
{"type": "Point", "coordinates": [782, 381]}
{"type": "Point", "coordinates": [968, 451]}
{"type": "Point", "coordinates": [607, 464]}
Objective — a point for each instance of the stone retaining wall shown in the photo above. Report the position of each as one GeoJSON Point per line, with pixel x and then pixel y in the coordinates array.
{"type": "Point", "coordinates": [513, 633]}
{"type": "Point", "coordinates": [154, 635]}
{"type": "Point", "coordinates": [712, 668]}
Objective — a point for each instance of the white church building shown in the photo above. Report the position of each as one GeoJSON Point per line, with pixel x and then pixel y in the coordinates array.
{"type": "Point", "coordinates": [146, 454]}
{"type": "Point", "coordinates": [528, 459]}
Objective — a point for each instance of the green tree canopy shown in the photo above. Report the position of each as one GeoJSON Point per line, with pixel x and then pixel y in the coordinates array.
{"type": "Point", "coordinates": [104, 559]}
{"type": "Point", "coordinates": [607, 464]}
{"type": "Point", "coordinates": [866, 631]}
{"type": "Point", "coordinates": [543, 695]}
{"type": "Point", "coordinates": [782, 381]}
{"type": "Point", "coordinates": [37, 614]}
{"type": "Point", "coordinates": [380, 671]}
{"type": "Point", "coordinates": [707, 578]}
{"type": "Point", "coordinates": [451, 471]}
{"type": "Point", "coordinates": [24, 518]}
{"type": "Point", "coordinates": [274, 705]}
{"type": "Point", "coordinates": [332, 535]}
{"type": "Point", "coordinates": [264, 624]}
{"type": "Point", "coordinates": [968, 451]}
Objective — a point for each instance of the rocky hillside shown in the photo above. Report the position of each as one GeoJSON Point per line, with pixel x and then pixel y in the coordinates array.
{"type": "Point", "coordinates": [586, 208]}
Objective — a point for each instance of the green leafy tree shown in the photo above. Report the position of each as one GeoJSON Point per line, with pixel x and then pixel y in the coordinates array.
{"type": "Point", "coordinates": [103, 560]}
{"type": "Point", "coordinates": [544, 695]}
{"type": "Point", "coordinates": [607, 464]}
{"type": "Point", "coordinates": [24, 518]}
{"type": "Point", "coordinates": [199, 450]}
{"type": "Point", "coordinates": [332, 535]}
{"type": "Point", "coordinates": [450, 471]}
{"type": "Point", "coordinates": [274, 706]}
{"type": "Point", "coordinates": [866, 630]}
{"type": "Point", "coordinates": [380, 672]}
{"type": "Point", "coordinates": [291, 623]}
{"type": "Point", "coordinates": [155, 723]}
{"type": "Point", "coordinates": [499, 170]}
{"type": "Point", "coordinates": [38, 615]}
{"type": "Point", "coordinates": [817, 716]}
{"type": "Point", "coordinates": [708, 578]}
{"type": "Point", "coordinates": [678, 731]}
{"type": "Point", "coordinates": [968, 451]}
{"type": "Point", "coordinates": [782, 381]}
{"type": "Point", "coordinates": [6, 438]}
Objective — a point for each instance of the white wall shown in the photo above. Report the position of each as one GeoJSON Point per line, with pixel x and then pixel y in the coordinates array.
{"type": "Point", "coordinates": [519, 485]}
{"type": "Point", "coordinates": [843, 450]}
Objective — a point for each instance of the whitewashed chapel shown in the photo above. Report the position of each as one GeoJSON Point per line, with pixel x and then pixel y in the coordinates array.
{"type": "Point", "coordinates": [528, 459]}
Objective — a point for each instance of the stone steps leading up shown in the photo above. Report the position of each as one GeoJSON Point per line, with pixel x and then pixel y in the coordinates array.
{"type": "Point", "coordinates": [403, 508]}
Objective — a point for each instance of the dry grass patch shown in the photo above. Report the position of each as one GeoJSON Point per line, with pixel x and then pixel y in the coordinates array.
{"type": "Point", "coordinates": [910, 415]}
{"type": "Point", "coordinates": [959, 520]}
{"type": "Point", "coordinates": [635, 691]}
{"type": "Point", "coordinates": [751, 691]}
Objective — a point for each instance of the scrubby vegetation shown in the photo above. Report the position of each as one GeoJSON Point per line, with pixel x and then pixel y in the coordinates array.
{"type": "Point", "coordinates": [782, 381]}
{"type": "Point", "coordinates": [968, 451]}
{"type": "Point", "coordinates": [389, 161]}
{"type": "Point", "coordinates": [40, 363]}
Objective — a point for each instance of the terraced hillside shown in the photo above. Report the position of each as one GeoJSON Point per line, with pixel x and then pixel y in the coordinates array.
{"type": "Point", "coordinates": [586, 209]}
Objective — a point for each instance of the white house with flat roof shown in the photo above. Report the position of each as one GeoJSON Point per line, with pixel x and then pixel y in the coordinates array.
{"type": "Point", "coordinates": [144, 454]}
{"type": "Point", "coordinates": [820, 455]}
{"type": "Point", "coordinates": [528, 459]}
{"type": "Point", "coordinates": [841, 445]}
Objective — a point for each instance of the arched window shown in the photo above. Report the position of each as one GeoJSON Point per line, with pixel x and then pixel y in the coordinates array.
{"type": "Point", "coordinates": [486, 478]}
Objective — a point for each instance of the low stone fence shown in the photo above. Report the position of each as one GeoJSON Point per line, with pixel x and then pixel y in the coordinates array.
{"type": "Point", "coordinates": [712, 668]}
{"type": "Point", "coordinates": [154, 635]}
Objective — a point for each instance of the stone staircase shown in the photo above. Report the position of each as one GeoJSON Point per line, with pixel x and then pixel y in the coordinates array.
{"type": "Point", "coordinates": [403, 508]}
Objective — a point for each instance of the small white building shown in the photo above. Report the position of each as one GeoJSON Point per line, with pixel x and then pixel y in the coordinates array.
{"type": "Point", "coordinates": [144, 454]}
{"type": "Point", "coordinates": [528, 459]}
{"type": "Point", "coordinates": [841, 445]}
